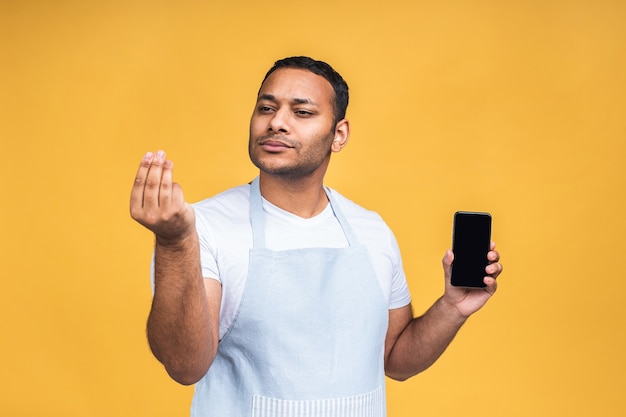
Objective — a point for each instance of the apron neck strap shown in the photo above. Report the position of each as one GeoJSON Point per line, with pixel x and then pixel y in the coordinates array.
{"type": "Point", "coordinates": [257, 217]}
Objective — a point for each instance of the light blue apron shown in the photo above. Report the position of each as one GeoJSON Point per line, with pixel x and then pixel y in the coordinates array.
{"type": "Point", "coordinates": [308, 339]}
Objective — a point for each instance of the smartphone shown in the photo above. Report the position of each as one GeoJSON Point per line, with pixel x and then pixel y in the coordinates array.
{"type": "Point", "coordinates": [471, 241]}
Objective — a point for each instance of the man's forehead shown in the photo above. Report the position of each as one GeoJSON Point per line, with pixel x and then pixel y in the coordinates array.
{"type": "Point", "coordinates": [299, 84]}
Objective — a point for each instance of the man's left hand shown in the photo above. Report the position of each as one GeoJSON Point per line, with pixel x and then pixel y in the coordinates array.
{"type": "Point", "coordinates": [469, 300]}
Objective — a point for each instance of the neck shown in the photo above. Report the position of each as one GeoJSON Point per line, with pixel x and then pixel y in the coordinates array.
{"type": "Point", "coordinates": [304, 197]}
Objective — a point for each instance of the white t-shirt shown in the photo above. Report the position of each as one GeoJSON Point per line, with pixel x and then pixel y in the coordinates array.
{"type": "Point", "coordinates": [225, 234]}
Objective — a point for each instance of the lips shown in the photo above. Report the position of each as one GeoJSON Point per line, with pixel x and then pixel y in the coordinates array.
{"type": "Point", "coordinates": [274, 145]}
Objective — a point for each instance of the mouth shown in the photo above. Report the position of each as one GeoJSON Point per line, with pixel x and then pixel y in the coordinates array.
{"type": "Point", "coordinates": [272, 144]}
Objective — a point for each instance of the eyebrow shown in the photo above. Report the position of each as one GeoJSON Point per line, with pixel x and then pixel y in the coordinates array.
{"type": "Point", "coordinates": [271, 97]}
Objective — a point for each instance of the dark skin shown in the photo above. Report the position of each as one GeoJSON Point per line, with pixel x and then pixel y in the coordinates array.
{"type": "Point", "coordinates": [292, 135]}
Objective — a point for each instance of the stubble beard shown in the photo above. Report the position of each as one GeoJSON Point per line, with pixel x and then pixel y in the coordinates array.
{"type": "Point", "coordinates": [302, 167]}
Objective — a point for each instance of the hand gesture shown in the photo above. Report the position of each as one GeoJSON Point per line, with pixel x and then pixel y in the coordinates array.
{"type": "Point", "coordinates": [158, 203]}
{"type": "Point", "coordinates": [469, 300]}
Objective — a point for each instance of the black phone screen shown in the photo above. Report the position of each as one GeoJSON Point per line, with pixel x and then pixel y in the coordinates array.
{"type": "Point", "coordinates": [471, 242]}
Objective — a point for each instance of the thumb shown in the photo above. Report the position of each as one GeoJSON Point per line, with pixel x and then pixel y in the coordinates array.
{"type": "Point", "coordinates": [447, 264]}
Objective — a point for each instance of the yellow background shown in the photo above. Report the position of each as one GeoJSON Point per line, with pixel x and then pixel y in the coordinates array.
{"type": "Point", "coordinates": [513, 107]}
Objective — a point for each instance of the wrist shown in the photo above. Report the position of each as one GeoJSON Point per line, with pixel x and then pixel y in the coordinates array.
{"type": "Point", "coordinates": [178, 242]}
{"type": "Point", "coordinates": [451, 310]}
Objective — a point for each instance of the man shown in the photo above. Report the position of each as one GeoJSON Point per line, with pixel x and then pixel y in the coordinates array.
{"type": "Point", "coordinates": [281, 297]}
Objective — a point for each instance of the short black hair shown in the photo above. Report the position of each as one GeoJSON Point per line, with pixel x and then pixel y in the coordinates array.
{"type": "Point", "coordinates": [321, 68]}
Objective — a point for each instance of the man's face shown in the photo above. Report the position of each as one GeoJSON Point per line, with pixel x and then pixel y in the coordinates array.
{"type": "Point", "coordinates": [292, 126]}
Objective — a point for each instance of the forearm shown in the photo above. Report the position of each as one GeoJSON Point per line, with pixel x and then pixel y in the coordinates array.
{"type": "Point", "coordinates": [179, 325]}
{"type": "Point", "coordinates": [423, 340]}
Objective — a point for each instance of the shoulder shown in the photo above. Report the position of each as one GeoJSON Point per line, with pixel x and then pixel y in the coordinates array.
{"type": "Point", "coordinates": [357, 214]}
{"type": "Point", "coordinates": [224, 210]}
{"type": "Point", "coordinates": [225, 202]}
{"type": "Point", "coordinates": [369, 227]}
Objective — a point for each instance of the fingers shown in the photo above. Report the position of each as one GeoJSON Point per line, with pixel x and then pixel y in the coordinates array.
{"type": "Point", "coordinates": [157, 202]}
{"type": "Point", "coordinates": [491, 283]}
{"type": "Point", "coordinates": [493, 270]}
{"type": "Point", "coordinates": [136, 195]}
{"type": "Point", "coordinates": [493, 254]}
{"type": "Point", "coordinates": [153, 181]}
{"type": "Point", "coordinates": [165, 186]}
{"type": "Point", "coordinates": [153, 185]}
{"type": "Point", "coordinates": [495, 267]}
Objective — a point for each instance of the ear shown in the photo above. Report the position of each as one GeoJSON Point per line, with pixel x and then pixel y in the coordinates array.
{"type": "Point", "coordinates": [342, 134]}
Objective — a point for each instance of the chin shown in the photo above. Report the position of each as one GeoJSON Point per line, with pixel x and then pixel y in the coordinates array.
{"type": "Point", "coordinates": [283, 171]}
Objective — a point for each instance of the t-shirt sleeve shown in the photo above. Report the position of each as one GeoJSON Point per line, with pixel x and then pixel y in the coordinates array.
{"type": "Point", "coordinates": [208, 262]}
{"type": "Point", "coordinates": [400, 295]}
{"type": "Point", "coordinates": [208, 256]}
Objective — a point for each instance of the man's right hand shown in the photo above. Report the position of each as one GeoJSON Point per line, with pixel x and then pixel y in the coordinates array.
{"type": "Point", "coordinates": [158, 203]}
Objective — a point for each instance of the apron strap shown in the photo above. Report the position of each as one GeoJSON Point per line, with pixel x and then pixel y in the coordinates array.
{"type": "Point", "coordinates": [257, 217]}
{"type": "Point", "coordinates": [343, 222]}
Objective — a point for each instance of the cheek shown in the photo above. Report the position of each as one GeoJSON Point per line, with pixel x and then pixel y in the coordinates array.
{"type": "Point", "coordinates": [258, 124]}
{"type": "Point", "coordinates": [254, 125]}
{"type": "Point", "coordinates": [323, 142]}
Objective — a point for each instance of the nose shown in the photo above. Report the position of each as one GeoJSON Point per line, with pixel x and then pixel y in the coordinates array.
{"type": "Point", "coordinates": [279, 123]}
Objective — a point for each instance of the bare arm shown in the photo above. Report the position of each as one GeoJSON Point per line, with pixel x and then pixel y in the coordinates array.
{"type": "Point", "coordinates": [183, 322]}
{"type": "Point", "coordinates": [414, 344]}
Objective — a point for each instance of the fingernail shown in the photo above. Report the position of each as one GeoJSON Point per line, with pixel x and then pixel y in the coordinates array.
{"type": "Point", "coordinates": [160, 154]}
{"type": "Point", "coordinates": [147, 156]}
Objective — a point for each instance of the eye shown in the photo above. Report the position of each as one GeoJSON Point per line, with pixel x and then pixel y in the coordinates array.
{"type": "Point", "coordinates": [303, 113]}
{"type": "Point", "coordinates": [265, 109]}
